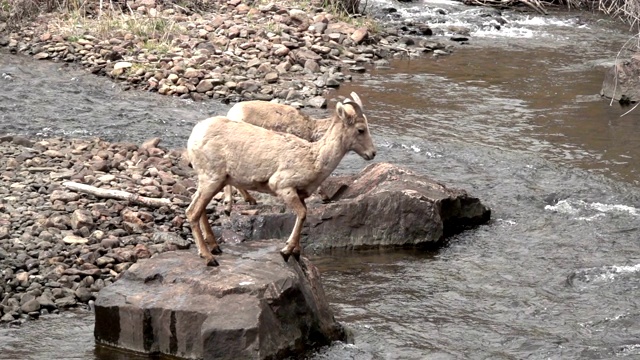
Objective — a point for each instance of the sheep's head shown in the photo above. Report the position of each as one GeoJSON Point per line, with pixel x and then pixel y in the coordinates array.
{"type": "Point", "coordinates": [356, 128]}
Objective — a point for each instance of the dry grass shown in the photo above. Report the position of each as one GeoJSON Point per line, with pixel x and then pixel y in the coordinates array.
{"type": "Point", "coordinates": [158, 29]}
{"type": "Point", "coordinates": [352, 12]}
{"type": "Point", "coordinates": [627, 10]}
{"type": "Point", "coordinates": [349, 7]}
{"type": "Point", "coordinates": [15, 12]}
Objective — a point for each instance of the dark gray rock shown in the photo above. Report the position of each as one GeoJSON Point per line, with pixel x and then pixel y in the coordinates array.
{"type": "Point", "coordinates": [7, 318]}
{"type": "Point", "coordinates": [169, 238]}
{"type": "Point", "coordinates": [110, 242]}
{"type": "Point", "coordinates": [253, 306]}
{"type": "Point", "coordinates": [67, 301]}
{"type": "Point", "coordinates": [22, 141]}
{"type": "Point", "coordinates": [83, 294]}
{"type": "Point", "coordinates": [30, 306]}
{"type": "Point", "coordinates": [46, 301]}
{"type": "Point", "coordinates": [384, 205]}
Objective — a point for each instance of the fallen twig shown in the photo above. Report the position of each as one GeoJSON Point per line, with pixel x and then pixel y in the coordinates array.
{"type": "Point", "coordinates": [117, 194]}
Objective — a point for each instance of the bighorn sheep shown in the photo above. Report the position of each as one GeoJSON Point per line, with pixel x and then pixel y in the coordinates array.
{"type": "Point", "coordinates": [280, 118]}
{"type": "Point", "coordinates": [225, 152]}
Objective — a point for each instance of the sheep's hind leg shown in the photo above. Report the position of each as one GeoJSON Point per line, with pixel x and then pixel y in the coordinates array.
{"type": "Point", "coordinates": [196, 210]}
{"type": "Point", "coordinates": [247, 197]}
{"type": "Point", "coordinates": [291, 198]}
{"type": "Point", "coordinates": [209, 238]}
{"type": "Point", "coordinates": [228, 199]}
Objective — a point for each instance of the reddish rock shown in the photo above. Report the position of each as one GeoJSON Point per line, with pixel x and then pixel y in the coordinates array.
{"type": "Point", "coordinates": [81, 218]}
{"type": "Point", "coordinates": [271, 77]}
{"type": "Point", "coordinates": [204, 86]}
{"type": "Point", "coordinates": [151, 143]}
{"type": "Point", "coordinates": [360, 35]}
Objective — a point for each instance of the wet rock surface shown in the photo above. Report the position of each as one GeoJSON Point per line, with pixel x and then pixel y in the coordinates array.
{"type": "Point", "coordinates": [254, 306]}
{"type": "Point", "coordinates": [382, 206]}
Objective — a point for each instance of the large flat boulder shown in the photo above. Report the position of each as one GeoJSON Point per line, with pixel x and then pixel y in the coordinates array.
{"type": "Point", "coordinates": [253, 306]}
{"type": "Point", "coordinates": [384, 205]}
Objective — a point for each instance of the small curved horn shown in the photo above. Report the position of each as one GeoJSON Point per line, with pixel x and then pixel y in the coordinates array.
{"type": "Point", "coordinates": [356, 98]}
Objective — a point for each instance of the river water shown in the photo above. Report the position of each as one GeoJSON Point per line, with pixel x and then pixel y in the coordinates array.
{"type": "Point", "coordinates": [515, 118]}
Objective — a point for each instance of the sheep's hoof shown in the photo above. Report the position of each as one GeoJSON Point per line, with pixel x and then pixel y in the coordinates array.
{"type": "Point", "coordinates": [227, 211]}
{"type": "Point", "coordinates": [285, 255]}
{"type": "Point", "coordinates": [212, 262]}
{"type": "Point", "coordinates": [252, 201]}
{"type": "Point", "coordinates": [216, 250]}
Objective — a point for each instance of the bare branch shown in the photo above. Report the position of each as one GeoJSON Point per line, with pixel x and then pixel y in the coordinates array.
{"type": "Point", "coordinates": [117, 194]}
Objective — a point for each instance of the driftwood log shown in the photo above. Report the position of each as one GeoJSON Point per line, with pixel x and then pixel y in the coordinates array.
{"type": "Point", "coordinates": [116, 194]}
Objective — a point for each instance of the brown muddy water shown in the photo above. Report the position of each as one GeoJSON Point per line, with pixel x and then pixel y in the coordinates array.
{"type": "Point", "coordinates": [515, 118]}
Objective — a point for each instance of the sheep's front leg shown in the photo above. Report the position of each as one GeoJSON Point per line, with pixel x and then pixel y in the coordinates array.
{"type": "Point", "coordinates": [293, 201]}
{"type": "Point", "coordinates": [196, 210]}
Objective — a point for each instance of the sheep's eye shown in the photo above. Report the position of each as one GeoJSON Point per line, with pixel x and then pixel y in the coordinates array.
{"type": "Point", "coordinates": [361, 131]}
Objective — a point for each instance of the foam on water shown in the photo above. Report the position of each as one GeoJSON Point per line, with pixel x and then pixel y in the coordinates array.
{"type": "Point", "coordinates": [444, 14]}
{"type": "Point", "coordinates": [604, 274]}
{"type": "Point", "coordinates": [576, 207]}
{"type": "Point", "coordinates": [505, 32]}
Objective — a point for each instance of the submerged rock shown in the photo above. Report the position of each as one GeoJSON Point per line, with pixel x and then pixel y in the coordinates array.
{"type": "Point", "coordinates": [253, 306]}
{"type": "Point", "coordinates": [384, 205]}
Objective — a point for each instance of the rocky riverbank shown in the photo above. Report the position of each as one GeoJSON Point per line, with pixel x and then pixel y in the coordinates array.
{"type": "Point", "coordinates": [58, 248]}
{"type": "Point", "coordinates": [230, 50]}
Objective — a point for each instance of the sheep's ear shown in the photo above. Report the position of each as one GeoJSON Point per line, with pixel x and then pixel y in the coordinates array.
{"type": "Point", "coordinates": [342, 113]}
{"type": "Point", "coordinates": [357, 111]}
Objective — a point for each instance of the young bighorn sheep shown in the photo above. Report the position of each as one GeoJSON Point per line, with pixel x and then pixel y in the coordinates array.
{"type": "Point", "coordinates": [225, 152]}
{"type": "Point", "coordinates": [280, 118]}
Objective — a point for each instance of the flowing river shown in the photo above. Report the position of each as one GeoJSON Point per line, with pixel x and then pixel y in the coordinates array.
{"type": "Point", "coordinates": [514, 117]}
